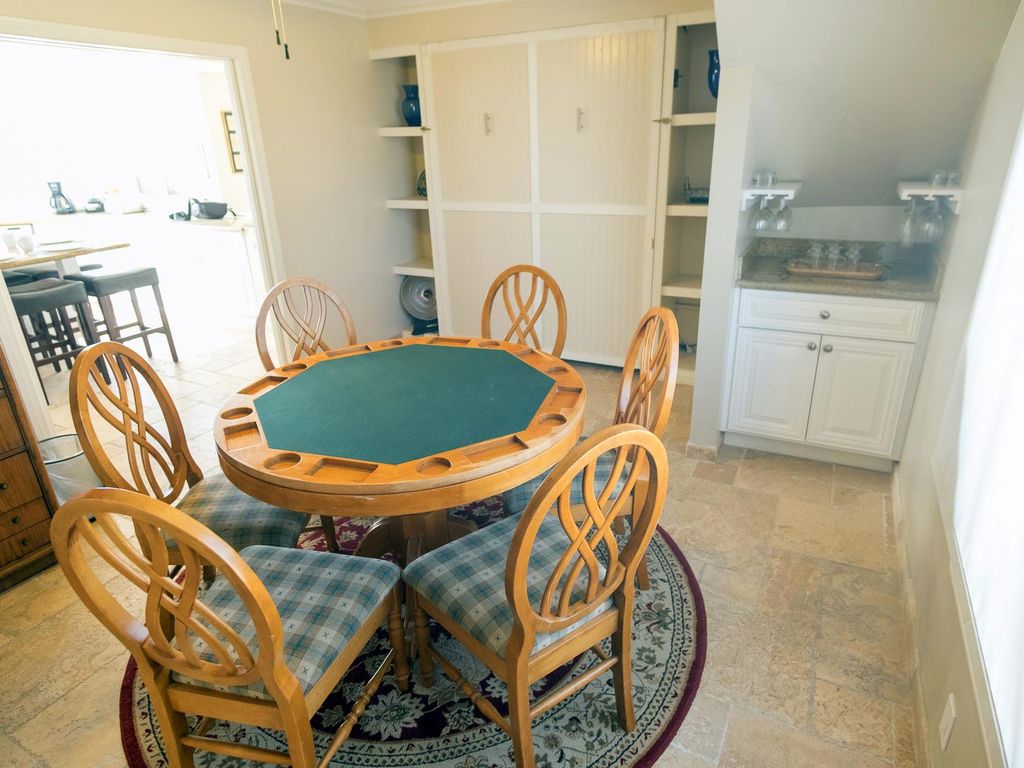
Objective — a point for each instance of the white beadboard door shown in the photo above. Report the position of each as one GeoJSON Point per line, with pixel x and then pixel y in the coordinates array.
{"type": "Point", "coordinates": [772, 381]}
{"type": "Point", "coordinates": [859, 391]}
{"type": "Point", "coordinates": [482, 123]}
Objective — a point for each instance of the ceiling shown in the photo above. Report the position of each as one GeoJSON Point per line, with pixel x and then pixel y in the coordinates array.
{"type": "Point", "coordinates": [853, 95]}
{"type": "Point", "coordinates": [372, 9]}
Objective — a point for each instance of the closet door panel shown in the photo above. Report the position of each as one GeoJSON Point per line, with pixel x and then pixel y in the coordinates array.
{"type": "Point", "coordinates": [597, 262]}
{"type": "Point", "coordinates": [482, 119]}
{"type": "Point", "coordinates": [479, 246]}
{"type": "Point", "coordinates": [595, 101]}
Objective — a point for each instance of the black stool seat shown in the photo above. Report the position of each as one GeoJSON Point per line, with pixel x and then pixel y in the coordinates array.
{"type": "Point", "coordinates": [44, 271]}
{"type": "Point", "coordinates": [39, 285]}
{"type": "Point", "coordinates": [33, 302]}
{"type": "Point", "coordinates": [107, 284]}
{"type": "Point", "coordinates": [14, 277]}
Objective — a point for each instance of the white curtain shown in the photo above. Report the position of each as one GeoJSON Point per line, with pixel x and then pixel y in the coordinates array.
{"type": "Point", "coordinates": [989, 510]}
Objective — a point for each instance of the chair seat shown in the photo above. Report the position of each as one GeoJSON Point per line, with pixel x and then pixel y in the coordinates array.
{"type": "Point", "coordinates": [33, 302]}
{"type": "Point", "coordinates": [40, 271]}
{"type": "Point", "coordinates": [238, 518]}
{"type": "Point", "coordinates": [14, 277]}
{"type": "Point", "coordinates": [466, 580]}
{"type": "Point", "coordinates": [519, 497]}
{"type": "Point", "coordinates": [109, 283]}
{"type": "Point", "coordinates": [323, 600]}
{"type": "Point", "coordinates": [37, 285]}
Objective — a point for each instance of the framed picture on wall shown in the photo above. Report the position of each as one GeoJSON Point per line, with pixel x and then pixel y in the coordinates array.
{"type": "Point", "coordinates": [231, 135]}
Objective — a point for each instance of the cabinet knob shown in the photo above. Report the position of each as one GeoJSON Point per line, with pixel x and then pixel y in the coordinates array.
{"type": "Point", "coordinates": [662, 120]}
{"type": "Point", "coordinates": [16, 520]}
{"type": "Point", "coordinates": [3, 486]}
{"type": "Point", "coordinates": [23, 541]}
{"type": "Point", "coordinates": [812, 345]}
{"type": "Point", "coordinates": [424, 128]}
{"type": "Point", "coordinates": [825, 314]}
{"type": "Point", "coordinates": [827, 348]}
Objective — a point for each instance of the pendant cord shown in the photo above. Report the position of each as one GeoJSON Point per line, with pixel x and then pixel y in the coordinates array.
{"type": "Point", "coordinates": [277, 28]}
{"type": "Point", "coordinates": [284, 32]}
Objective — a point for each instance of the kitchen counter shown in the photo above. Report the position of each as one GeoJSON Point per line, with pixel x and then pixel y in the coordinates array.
{"type": "Point", "coordinates": [911, 273]}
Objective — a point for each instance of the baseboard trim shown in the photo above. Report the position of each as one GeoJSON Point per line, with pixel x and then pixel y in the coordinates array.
{"type": "Point", "coordinates": [804, 451]}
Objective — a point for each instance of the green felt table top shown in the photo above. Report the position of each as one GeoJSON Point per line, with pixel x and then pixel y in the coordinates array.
{"type": "Point", "coordinates": [401, 404]}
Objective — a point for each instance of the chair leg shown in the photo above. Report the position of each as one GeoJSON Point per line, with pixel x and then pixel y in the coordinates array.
{"type": "Point", "coordinates": [299, 735]}
{"type": "Point", "coordinates": [327, 524]}
{"type": "Point", "coordinates": [519, 719]}
{"type": "Point", "coordinates": [163, 321]}
{"type": "Point", "coordinates": [172, 723]}
{"type": "Point", "coordinates": [622, 673]}
{"type": "Point", "coordinates": [109, 318]}
{"type": "Point", "coordinates": [422, 640]}
{"type": "Point", "coordinates": [643, 577]}
{"type": "Point", "coordinates": [396, 633]}
{"type": "Point", "coordinates": [138, 319]}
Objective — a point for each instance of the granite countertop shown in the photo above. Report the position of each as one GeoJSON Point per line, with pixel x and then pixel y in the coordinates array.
{"type": "Point", "coordinates": [911, 273]}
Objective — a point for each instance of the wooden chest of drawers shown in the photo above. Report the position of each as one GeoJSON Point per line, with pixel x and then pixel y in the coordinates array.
{"type": "Point", "coordinates": [26, 498]}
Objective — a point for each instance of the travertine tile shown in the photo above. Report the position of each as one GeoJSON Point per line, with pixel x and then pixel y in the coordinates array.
{"type": "Point", "coordinates": [677, 757]}
{"type": "Point", "coordinates": [850, 592]}
{"type": "Point", "coordinates": [905, 737]}
{"type": "Point", "coordinates": [865, 652]}
{"type": "Point", "coordinates": [853, 719]}
{"type": "Point", "coordinates": [880, 482]}
{"type": "Point", "coordinates": [846, 536]}
{"type": "Point", "coordinates": [704, 728]}
{"type": "Point", "coordinates": [718, 473]}
{"type": "Point", "coordinates": [753, 741]}
{"type": "Point", "coordinates": [16, 756]}
{"type": "Point", "coordinates": [791, 587]}
{"type": "Point", "coordinates": [856, 499]}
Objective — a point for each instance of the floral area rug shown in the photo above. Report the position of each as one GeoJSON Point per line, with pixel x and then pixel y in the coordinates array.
{"type": "Point", "coordinates": [438, 726]}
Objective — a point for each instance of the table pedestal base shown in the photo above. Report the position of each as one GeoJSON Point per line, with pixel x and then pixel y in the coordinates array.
{"type": "Point", "coordinates": [399, 535]}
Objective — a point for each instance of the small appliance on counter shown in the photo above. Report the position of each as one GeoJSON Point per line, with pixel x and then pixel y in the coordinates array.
{"type": "Point", "coordinates": [94, 205]}
{"type": "Point", "coordinates": [204, 209]}
{"type": "Point", "coordinates": [58, 200]}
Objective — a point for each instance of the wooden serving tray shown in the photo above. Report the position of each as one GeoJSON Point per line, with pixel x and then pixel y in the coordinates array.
{"type": "Point", "coordinates": [801, 268]}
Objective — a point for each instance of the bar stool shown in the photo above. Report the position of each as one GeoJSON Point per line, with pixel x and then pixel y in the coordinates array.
{"type": "Point", "coordinates": [104, 286]}
{"type": "Point", "coordinates": [14, 277]}
{"type": "Point", "coordinates": [53, 341]}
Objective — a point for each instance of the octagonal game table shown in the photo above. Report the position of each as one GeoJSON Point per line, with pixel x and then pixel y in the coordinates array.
{"type": "Point", "coordinates": [401, 429]}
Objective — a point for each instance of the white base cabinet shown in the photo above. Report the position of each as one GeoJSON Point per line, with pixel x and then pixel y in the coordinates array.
{"type": "Point", "coordinates": [824, 389]}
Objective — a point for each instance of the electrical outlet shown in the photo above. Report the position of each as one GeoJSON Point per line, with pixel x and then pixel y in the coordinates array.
{"type": "Point", "coordinates": [947, 722]}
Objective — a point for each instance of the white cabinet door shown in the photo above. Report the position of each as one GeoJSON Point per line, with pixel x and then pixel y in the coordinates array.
{"type": "Point", "coordinates": [482, 119]}
{"type": "Point", "coordinates": [773, 378]}
{"type": "Point", "coordinates": [858, 394]}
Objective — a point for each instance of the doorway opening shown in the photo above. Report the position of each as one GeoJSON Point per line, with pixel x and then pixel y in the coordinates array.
{"type": "Point", "coordinates": [134, 138]}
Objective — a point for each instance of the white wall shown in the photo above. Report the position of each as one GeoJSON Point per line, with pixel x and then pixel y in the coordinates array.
{"type": "Point", "coordinates": [949, 658]}
{"type": "Point", "coordinates": [318, 115]}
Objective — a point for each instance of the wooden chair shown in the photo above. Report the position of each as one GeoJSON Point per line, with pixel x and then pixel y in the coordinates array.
{"type": "Point", "coordinates": [301, 321]}
{"type": "Point", "coordinates": [647, 388]}
{"type": "Point", "coordinates": [158, 463]}
{"type": "Point", "coordinates": [304, 324]}
{"type": "Point", "coordinates": [224, 654]}
{"type": "Point", "coordinates": [525, 313]}
{"type": "Point", "coordinates": [531, 593]}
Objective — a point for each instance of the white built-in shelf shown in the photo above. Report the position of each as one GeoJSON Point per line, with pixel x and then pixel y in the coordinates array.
{"type": "Point", "coordinates": [694, 118]}
{"type": "Point", "coordinates": [410, 202]}
{"type": "Point", "coordinates": [399, 131]}
{"type": "Point", "coordinates": [682, 286]}
{"type": "Point", "coordinates": [418, 268]}
{"type": "Point", "coordinates": [786, 190]}
{"type": "Point", "coordinates": [687, 209]}
{"type": "Point", "coordinates": [922, 189]}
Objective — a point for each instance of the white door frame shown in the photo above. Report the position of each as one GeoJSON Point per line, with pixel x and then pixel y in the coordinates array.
{"type": "Point", "coordinates": [243, 93]}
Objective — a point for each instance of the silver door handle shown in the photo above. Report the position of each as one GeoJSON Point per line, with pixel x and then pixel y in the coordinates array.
{"type": "Point", "coordinates": [812, 345]}
{"type": "Point", "coordinates": [662, 120]}
{"type": "Point", "coordinates": [827, 348]}
{"type": "Point", "coordinates": [825, 314]}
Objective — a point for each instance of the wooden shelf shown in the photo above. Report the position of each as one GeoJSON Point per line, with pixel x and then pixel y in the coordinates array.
{"type": "Point", "coordinates": [410, 202]}
{"type": "Point", "coordinates": [687, 209]}
{"type": "Point", "coordinates": [694, 118]}
{"type": "Point", "coordinates": [401, 131]}
{"type": "Point", "coordinates": [682, 286]}
{"type": "Point", "coordinates": [418, 268]}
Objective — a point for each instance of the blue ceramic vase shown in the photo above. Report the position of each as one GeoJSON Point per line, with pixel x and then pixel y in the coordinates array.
{"type": "Point", "coordinates": [411, 105]}
{"type": "Point", "coordinates": [714, 72]}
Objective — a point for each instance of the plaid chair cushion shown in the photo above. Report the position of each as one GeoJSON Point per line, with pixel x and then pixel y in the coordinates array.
{"type": "Point", "coordinates": [323, 599]}
{"type": "Point", "coordinates": [517, 499]}
{"type": "Point", "coordinates": [466, 580]}
{"type": "Point", "coordinates": [239, 519]}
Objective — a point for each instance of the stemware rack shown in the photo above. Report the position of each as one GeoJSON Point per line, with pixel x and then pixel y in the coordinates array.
{"type": "Point", "coordinates": [923, 190]}
{"type": "Point", "coordinates": [786, 190]}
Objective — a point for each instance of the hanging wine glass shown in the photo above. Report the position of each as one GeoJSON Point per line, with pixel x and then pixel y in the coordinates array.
{"type": "Point", "coordinates": [931, 225]}
{"type": "Point", "coordinates": [908, 224]}
{"type": "Point", "coordinates": [764, 218]}
{"type": "Point", "coordinates": [783, 217]}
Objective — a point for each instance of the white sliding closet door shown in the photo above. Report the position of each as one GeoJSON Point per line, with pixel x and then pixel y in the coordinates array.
{"type": "Point", "coordinates": [597, 98]}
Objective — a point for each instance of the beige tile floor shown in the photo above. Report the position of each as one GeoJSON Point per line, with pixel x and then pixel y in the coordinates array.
{"type": "Point", "coordinates": [808, 661]}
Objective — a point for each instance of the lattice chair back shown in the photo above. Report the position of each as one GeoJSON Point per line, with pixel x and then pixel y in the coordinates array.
{"type": "Point", "coordinates": [525, 291]}
{"type": "Point", "coordinates": [115, 394]}
{"type": "Point", "coordinates": [302, 306]}
{"type": "Point", "coordinates": [589, 564]}
{"type": "Point", "coordinates": [648, 382]}
{"type": "Point", "coordinates": [177, 631]}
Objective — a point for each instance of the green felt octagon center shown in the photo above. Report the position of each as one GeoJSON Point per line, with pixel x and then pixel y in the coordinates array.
{"type": "Point", "coordinates": [401, 404]}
